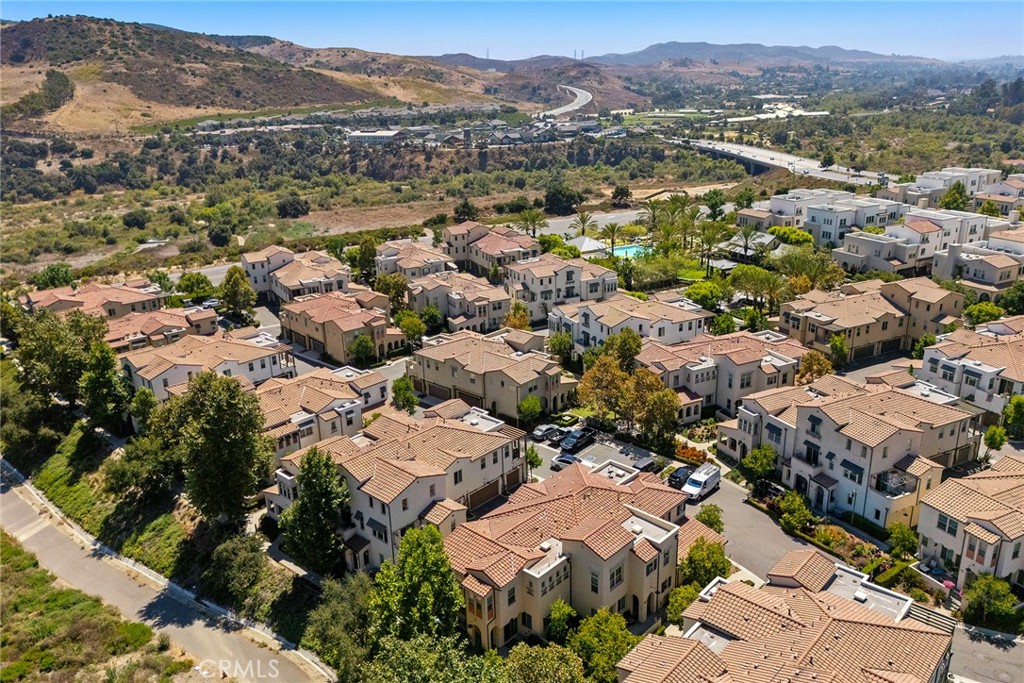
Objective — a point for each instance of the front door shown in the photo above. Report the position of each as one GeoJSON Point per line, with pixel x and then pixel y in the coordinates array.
{"type": "Point", "coordinates": [819, 498]}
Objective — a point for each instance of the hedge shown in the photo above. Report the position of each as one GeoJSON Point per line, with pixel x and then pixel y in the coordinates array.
{"type": "Point", "coordinates": [865, 525]}
{"type": "Point", "coordinates": [890, 577]}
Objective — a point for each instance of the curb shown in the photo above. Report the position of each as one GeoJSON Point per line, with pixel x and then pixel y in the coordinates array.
{"type": "Point", "coordinates": [182, 594]}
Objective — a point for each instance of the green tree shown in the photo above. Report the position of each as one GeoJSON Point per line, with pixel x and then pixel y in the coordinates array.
{"type": "Point", "coordinates": [466, 211]}
{"type": "Point", "coordinates": [518, 317]}
{"type": "Point", "coordinates": [583, 222]}
{"type": "Point", "coordinates": [723, 323]}
{"type": "Point", "coordinates": [755, 320]}
{"type": "Point", "coordinates": [995, 438]}
{"type": "Point", "coordinates": [149, 469]}
{"type": "Point", "coordinates": [403, 394]}
{"type": "Point", "coordinates": [338, 627]}
{"type": "Point", "coordinates": [561, 200]}
{"type": "Point", "coordinates": [560, 344]}
{"type": "Point", "coordinates": [311, 523]}
{"type": "Point", "coordinates": [226, 455]}
{"type": "Point", "coordinates": [926, 340]}
{"type": "Point", "coordinates": [292, 206]}
{"type": "Point", "coordinates": [494, 274]}
{"type": "Point", "coordinates": [366, 259]}
{"type": "Point", "coordinates": [195, 286]}
{"type": "Point", "coordinates": [990, 602]}
{"type": "Point", "coordinates": [549, 243]}
{"type": "Point", "coordinates": [795, 515]}
{"type": "Point", "coordinates": [395, 287]}
{"type": "Point", "coordinates": [141, 407]}
{"type": "Point", "coordinates": [828, 158]}
{"type": "Point", "coordinates": [238, 295]}
{"type": "Point", "coordinates": [530, 221]}
{"type": "Point", "coordinates": [745, 198]}
{"type": "Point", "coordinates": [600, 642]}
{"type": "Point", "coordinates": [136, 218]}
{"type": "Point", "coordinates": [529, 410]}
{"type": "Point", "coordinates": [418, 594]}
{"type": "Point", "coordinates": [710, 515]}
{"type": "Point", "coordinates": [362, 350]}
{"type": "Point", "coordinates": [162, 280]}
{"type": "Point", "coordinates": [54, 275]}
{"type": "Point", "coordinates": [1013, 417]}
{"type": "Point", "coordinates": [611, 232]}
{"type": "Point", "coordinates": [837, 347]}
{"type": "Point", "coordinates": [710, 234]}
{"type": "Point", "coordinates": [955, 198]}
{"type": "Point", "coordinates": [678, 600]}
{"type": "Point", "coordinates": [1012, 300]}
{"type": "Point", "coordinates": [235, 570]}
{"type": "Point", "coordinates": [551, 664]}
{"type": "Point", "coordinates": [102, 387]}
{"type": "Point", "coordinates": [626, 268]}
{"type": "Point", "coordinates": [562, 621]}
{"type": "Point", "coordinates": [621, 196]}
{"type": "Point", "coordinates": [432, 318]}
{"type": "Point", "coordinates": [813, 365]}
{"type": "Point", "coordinates": [411, 325]}
{"type": "Point", "coordinates": [624, 347]}
{"type": "Point", "coordinates": [714, 200]}
{"type": "Point", "coordinates": [902, 540]}
{"type": "Point", "coordinates": [659, 414]}
{"type": "Point", "coordinates": [989, 208]}
{"type": "Point", "coordinates": [817, 266]}
{"type": "Point", "coordinates": [759, 464]}
{"type": "Point", "coordinates": [423, 659]}
{"type": "Point", "coordinates": [603, 385]}
{"type": "Point", "coordinates": [983, 312]}
{"type": "Point", "coordinates": [791, 235]}
{"type": "Point", "coordinates": [54, 350]}
{"type": "Point", "coordinates": [707, 293]}
{"type": "Point", "coordinates": [704, 562]}
{"type": "Point", "coordinates": [533, 459]}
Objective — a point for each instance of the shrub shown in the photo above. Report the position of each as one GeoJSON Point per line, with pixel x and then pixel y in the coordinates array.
{"type": "Point", "coordinates": [890, 577]}
{"type": "Point", "coordinates": [690, 454]}
{"type": "Point", "coordinates": [919, 595]}
{"type": "Point", "coordinates": [829, 535]}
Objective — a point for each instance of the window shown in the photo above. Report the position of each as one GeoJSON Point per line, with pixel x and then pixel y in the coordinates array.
{"type": "Point", "coordinates": [529, 587]}
{"type": "Point", "coordinates": [665, 556]}
{"type": "Point", "coordinates": [729, 381]}
{"type": "Point", "coordinates": [458, 476]}
{"type": "Point", "coordinates": [745, 380]}
{"type": "Point", "coordinates": [252, 367]}
{"type": "Point", "coordinates": [848, 444]}
{"type": "Point", "coordinates": [948, 525]}
{"type": "Point", "coordinates": [494, 458]}
{"type": "Point", "coordinates": [615, 577]}
{"type": "Point", "coordinates": [621, 605]}
{"type": "Point", "coordinates": [527, 620]}
{"type": "Point", "coordinates": [885, 450]}
{"type": "Point", "coordinates": [433, 490]}
{"type": "Point", "coordinates": [512, 595]}
{"type": "Point", "coordinates": [1016, 550]}
{"type": "Point", "coordinates": [405, 503]}
{"type": "Point", "coordinates": [483, 463]}
{"type": "Point", "coordinates": [595, 580]}
{"type": "Point", "coordinates": [651, 566]}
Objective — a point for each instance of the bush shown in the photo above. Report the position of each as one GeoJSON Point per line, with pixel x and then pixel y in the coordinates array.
{"type": "Point", "coordinates": [829, 535]}
{"type": "Point", "coordinates": [890, 577]}
{"type": "Point", "coordinates": [690, 455]}
{"type": "Point", "coordinates": [920, 595]}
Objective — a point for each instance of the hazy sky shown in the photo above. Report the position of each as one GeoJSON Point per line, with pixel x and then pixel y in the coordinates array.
{"type": "Point", "coordinates": [511, 30]}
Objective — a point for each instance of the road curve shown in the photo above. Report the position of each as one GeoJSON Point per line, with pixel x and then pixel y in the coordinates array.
{"type": "Point", "coordinates": [583, 98]}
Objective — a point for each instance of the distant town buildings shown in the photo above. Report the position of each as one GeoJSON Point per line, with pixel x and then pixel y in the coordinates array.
{"type": "Point", "coordinates": [105, 301]}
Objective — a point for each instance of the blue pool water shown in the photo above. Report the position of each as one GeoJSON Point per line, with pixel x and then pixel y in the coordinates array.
{"type": "Point", "coordinates": [628, 250]}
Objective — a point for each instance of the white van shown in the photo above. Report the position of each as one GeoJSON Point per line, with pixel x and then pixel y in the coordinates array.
{"type": "Point", "coordinates": [703, 481]}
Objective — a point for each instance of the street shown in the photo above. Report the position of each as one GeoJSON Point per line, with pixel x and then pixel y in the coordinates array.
{"type": "Point", "coordinates": [981, 658]}
{"type": "Point", "coordinates": [797, 165]}
{"type": "Point", "coordinates": [214, 646]}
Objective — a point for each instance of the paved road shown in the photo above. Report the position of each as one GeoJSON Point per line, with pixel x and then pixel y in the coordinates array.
{"type": "Point", "coordinates": [215, 273]}
{"type": "Point", "coordinates": [986, 660]}
{"type": "Point", "coordinates": [206, 640]}
{"type": "Point", "coordinates": [583, 98]}
{"type": "Point", "coordinates": [798, 165]}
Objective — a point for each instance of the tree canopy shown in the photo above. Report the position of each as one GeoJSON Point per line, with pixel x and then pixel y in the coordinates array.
{"type": "Point", "coordinates": [600, 642]}
{"type": "Point", "coordinates": [311, 523]}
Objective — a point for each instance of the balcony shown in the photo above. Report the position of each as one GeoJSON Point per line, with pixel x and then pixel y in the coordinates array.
{"type": "Point", "coordinates": [894, 484]}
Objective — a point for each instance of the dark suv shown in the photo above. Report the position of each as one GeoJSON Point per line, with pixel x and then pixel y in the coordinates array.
{"type": "Point", "coordinates": [677, 479]}
{"type": "Point", "coordinates": [578, 440]}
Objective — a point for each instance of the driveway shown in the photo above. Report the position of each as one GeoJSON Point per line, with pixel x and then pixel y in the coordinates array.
{"type": "Point", "coordinates": [215, 647]}
{"type": "Point", "coordinates": [985, 659]}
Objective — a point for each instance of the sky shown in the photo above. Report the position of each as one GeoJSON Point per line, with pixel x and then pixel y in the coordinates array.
{"type": "Point", "coordinates": [943, 29]}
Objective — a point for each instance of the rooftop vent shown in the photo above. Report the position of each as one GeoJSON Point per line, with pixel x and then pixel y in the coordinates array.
{"type": "Point", "coordinates": [860, 596]}
{"type": "Point", "coordinates": [637, 529]}
{"type": "Point", "coordinates": [474, 421]}
{"type": "Point", "coordinates": [925, 392]}
{"type": "Point", "coordinates": [545, 546]}
{"type": "Point", "coordinates": [977, 363]}
{"type": "Point", "coordinates": [349, 373]}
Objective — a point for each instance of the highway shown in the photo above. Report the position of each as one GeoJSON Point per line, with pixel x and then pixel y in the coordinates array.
{"type": "Point", "coordinates": [777, 159]}
{"type": "Point", "coordinates": [583, 98]}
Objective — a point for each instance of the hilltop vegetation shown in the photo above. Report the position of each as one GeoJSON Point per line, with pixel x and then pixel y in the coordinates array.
{"type": "Point", "coordinates": [56, 89]}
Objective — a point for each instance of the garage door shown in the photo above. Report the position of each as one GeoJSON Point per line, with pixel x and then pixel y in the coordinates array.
{"type": "Point", "coordinates": [471, 399]}
{"type": "Point", "coordinates": [513, 478]}
{"type": "Point", "coordinates": [316, 345]}
{"type": "Point", "coordinates": [890, 346]}
{"type": "Point", "coordinates": [863, 352]}
{"type": "Point", "coordinates": [482, 495]}
{"type": "Point", "coordinates": [417, 384]}
{"type": "Point", "coordinates": [299, 339]}
{"type": "Point", "coordinates": [443, 393]}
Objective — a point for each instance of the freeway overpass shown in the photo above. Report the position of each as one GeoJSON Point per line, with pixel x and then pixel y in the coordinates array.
{"type": "Point", "coordinates": [758, 159]}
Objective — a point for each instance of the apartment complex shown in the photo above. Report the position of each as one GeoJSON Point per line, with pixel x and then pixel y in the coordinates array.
{"type": "Point", "coordinates": [319, 405]}
{"type": "Point", "coordinates": [548, 280]}
{"type": "Point", "coordinates": [928, 188]}
{"type": "Point", "coordinates": [975, 525]}
{"type": "Point", "coordinates": [873, 317]}
{"type": "Point", "coordinates": [478, 248]}
{"type": "Point", "coordinates": [988, 267]}
{"type": "Point", "coordinates": [105, 301]}
{"type": "Point", "coordinates": [166, 370]}
{"type": "Point", "coordinates": [829, 221]}
{"type": "Point", "coordinates": [494, 371]}
{"type": "Point", "coordinates": [329, 324]}
{"type": "Point", "coordinates": [813, 621]}
{"type": "Point", "coordinates": [405, 473]}
{"type": "Point", "coordinates": [465, 302]}
{"type": "Point", "coordinates": [871, 449]}
{"type": "Point", "coordinates": [669, 322]}
{"type": "Point", "coordinates": [411, 259]}
{"type": "Point", "coordinates": [160, 327]}
{"type": "Point", "coordinates": [607, 537]}
{"type": "Point", "coordinates": [984, 369]}
{"type": "Point", "coordinates": [791, 209]}
{"type": "Point", "coordinates": [904, 249]}
{"type": "Point", "coordinates": [282, 275]}
{"type": "Point", "coordinates": [717, 372]}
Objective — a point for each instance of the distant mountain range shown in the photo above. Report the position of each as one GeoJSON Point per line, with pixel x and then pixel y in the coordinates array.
{"type": "Point", "coordinates": [746, 53]}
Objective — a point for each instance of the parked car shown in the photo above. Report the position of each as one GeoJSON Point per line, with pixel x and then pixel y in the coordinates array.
{"type": "Point", "coordinates": [542, 432]}
{"type": "Point", "coordinates": [578, 440]}
{"type": "Point", "coordinates": [559, 434]}
{"type": "Point", "coordinates": [563, 460]}
{"type": "Point", "coordinates": [211, 303]}
{"type": "Point", "coordinates": [646, 464]}
{"type": "Point", "coordinates": [678, 477]}
{"type": "Point", "coordinates": [704, 481]}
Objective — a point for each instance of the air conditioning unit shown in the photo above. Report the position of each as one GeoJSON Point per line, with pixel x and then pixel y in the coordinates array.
{"type": "Point", "coordinates": [545, 546]}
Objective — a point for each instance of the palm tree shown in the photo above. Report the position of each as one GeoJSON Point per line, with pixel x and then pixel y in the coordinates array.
{"type": "Point", "coordinates": [746, 234]}
{"type": "Point", "coordinates": [709, 235]}
{"type": "Point", "coordinates": [530, 221]}
{"type": "Point", "coordinates": [774, 289]}
{"type": "Point", "coordinates": [611, 232]}
{"type": "Point", "coordinates": [688, 222]}
{"type": "Point", "coordinates": [653, 212]}
{"type": "Point", "coordinates": [665, 236]}
{"type": "Point", "coordinates": [583, 222]}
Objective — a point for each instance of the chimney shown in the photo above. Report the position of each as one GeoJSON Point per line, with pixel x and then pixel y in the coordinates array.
{"type": "Point", "coordinates": [922, 203]}
{"type": "Point", "coordinates": [1014, 217]}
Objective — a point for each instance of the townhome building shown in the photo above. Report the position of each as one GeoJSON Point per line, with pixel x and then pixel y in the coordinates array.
{"type": "Point", "coordinates": [329, 323]}
{"type": "Point", "coordinates": [829, 222]}
{"type": "Point", "coordinates": [814, 620]}
{"type": "Point", "coordinates": [160, 327]}
{"type": "Point", "coordinates": [607, 537]}
{"type": "Point", "coordinates": [258, 265]}
{"type": "Point", "coordinates": [106, 301]}
{"type": "Point", "coordinates": [928, 188]}
{"type": "Point", "coordinates": [166, 370]}
{"type": "Point", "coordinates": [590, 323]}
{"type": "Point", "coordinates": [479, 248]}
{"type": "Point", "coordinates": [312, 272]}
{"type": "Point", "coordinates": [494, 371]}
{"type": "Point", "coordinates": [1012, 185]}
{"type": "Point", "coordinates": [986, 370]}
{"type": "Point", "coordinates": [717, 372]}
{"type": "Point", "coordinates": [548, 280]}
{"type": "Point", "coordinates": [959, 226]}
{"type": "Point", "coordinates": [873, 317]}
{"type": "Point", "coordinates": [790, 209]}
{"type": "Point", "coordinates": [871, 449]}
{"type": "Point", "coordinates": [904, 248]}
{"type": "Point", "coordinates": [413, 260]}
{"type": "Point", "coordinates": [975, 525]}
{"type": "Point", "coordinates": [1006, 198]}
{"type": "Point", "coordinates": [319, 405]}
{"type": "Point", "coordinates": [465, 302]}
{"type": "Point", "coordinates": [986, 267]}
{"type": "Point", "coordinates": [404, 473]}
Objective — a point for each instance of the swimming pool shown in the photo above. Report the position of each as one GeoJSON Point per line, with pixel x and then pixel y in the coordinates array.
{"type": "Point", "coordinates": [628, 250]}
